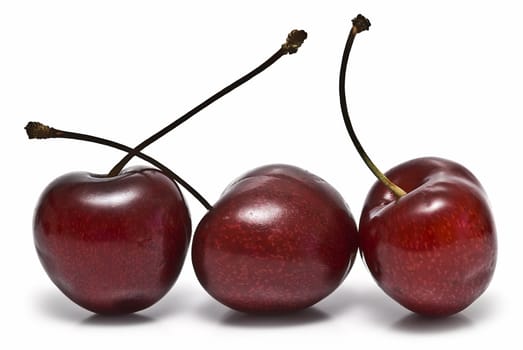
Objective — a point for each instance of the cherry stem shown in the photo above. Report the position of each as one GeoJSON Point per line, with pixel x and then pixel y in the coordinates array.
{"type": "Point", "coordinates": [294, 41]}
{"type": "Point", "coordinates": [36, 130]}
{"type": "Point", "coordinates": [359, 24]}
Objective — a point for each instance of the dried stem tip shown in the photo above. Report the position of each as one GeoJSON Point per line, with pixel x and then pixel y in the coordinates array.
{"type": "Point", "coordinates": [360, 23]}
{"type": "Point", "coordinates": [294, 40]}
{"type": "Point", "coordinates": [36, 130]}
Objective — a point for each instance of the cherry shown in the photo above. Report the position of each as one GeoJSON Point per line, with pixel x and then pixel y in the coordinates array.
{"type": "Point", "coordinates": [426, 231]}
{"type": "Point", "coordinates": [112, 244]}
{"type": "Point", "coordinates": [116, 243]}
{"type": "Point", "coordinates": [279, 239]}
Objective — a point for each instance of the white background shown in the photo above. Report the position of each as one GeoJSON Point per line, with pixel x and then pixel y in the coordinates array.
{"type": "Point", "coordinates": [430, 78]}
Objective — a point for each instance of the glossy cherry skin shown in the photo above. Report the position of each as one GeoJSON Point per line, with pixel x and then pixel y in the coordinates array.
{"type": "Point", "coordinates": [433, 250]}
{"type": "Point", "coordinates": [113, 245]}
{"type": "Point", "coordinates": [279, 239]}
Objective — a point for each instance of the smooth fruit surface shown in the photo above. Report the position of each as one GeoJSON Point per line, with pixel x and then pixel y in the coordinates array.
{"type": "Point", "coordinates": [279, 239]}
{"type": "Point", "coordinates": [433, 250]}
{"type": "Point", "coordinates": [112, 244]}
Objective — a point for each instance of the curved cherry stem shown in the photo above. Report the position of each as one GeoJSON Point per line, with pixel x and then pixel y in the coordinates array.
{"type": "Point", "coordinates": [359, 24]}
{"type": "Point", "coordinates": [294, 41]}
{"type": "Point", "coordinates": [36, 130]}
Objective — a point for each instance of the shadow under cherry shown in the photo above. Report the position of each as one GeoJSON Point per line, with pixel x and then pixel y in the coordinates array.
{"type": "Point", "coordinates": [414, 323]}
{"type": "Point", "coordinates": [297, 318]}
{"type": "Point", "coordinates": [119, 320]}
{"type": "Point", "coordinates": [215, 312]}
{"type": "Point", "coordinates": [59, 307]}
{"type": "Point", "coordinates": [480, 311]}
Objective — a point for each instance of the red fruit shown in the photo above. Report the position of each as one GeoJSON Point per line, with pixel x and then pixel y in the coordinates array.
{"type": "Point", "coordinates": [434, 249]}
{"type": "Point", "coordinates": [426, 231]}
{"type": "Point", "coordinates": [113, 245]}
{"type": "Point", "coordinates": [279, 239]}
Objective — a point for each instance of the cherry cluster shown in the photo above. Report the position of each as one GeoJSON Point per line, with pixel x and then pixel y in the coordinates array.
{"type": "Point", "coordinates": [279, 239]}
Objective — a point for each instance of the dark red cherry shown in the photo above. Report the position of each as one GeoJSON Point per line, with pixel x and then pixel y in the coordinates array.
{"type": "Point", "coordinates": [434, 249]}
{"type": "Point", "coordinates": [279, 239]}
{"type": "Point", "coordinates": [113, 245]}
